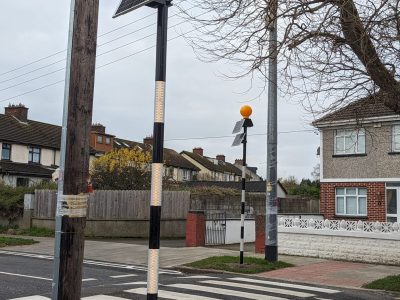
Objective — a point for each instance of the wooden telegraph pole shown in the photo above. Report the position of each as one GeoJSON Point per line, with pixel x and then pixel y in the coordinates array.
{"type": "Point", "coordinates": [74, 165]}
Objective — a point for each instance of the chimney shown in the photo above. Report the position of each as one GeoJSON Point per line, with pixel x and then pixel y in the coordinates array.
{"type": "Point", "coordinates": [239, 162]}
{"type": "Point", "coordinates": [99, 128]}
{"type": "Point", "coordinates": [221, 157]}
{"type": "Point", "coordinates": [18, 111]}
{"type": "Point", "coordinates": [148, 140]}
{"type": "Point", "coordinates": [198, 151]}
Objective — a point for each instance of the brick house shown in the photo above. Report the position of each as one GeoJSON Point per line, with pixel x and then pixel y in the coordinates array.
{"type": "Point", "coordinates": [360, 162]}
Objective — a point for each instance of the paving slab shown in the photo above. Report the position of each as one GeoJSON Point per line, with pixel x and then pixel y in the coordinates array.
{"type": "Point", "coordinates": [126, 253]}
{"type": "Point", "coordinates": [333, 273]}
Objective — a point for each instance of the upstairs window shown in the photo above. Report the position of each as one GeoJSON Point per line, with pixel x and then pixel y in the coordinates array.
{"type": "Point", "coordinates": [6, 152]}
{"type": "Point", "coordinates": [350, 141]}
{"type": "Point", "coordinates": [108, 140]}
{"type": "Point", "coordinates": [100, 139]}
{"type": "Point", "coordinates": [396, 138]}
{"type": "Point", "coordinates": [34, 155]}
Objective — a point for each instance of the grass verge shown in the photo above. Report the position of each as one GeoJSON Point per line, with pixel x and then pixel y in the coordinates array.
{"type": "Point", "coordinates": [252, 265]}
{"type": "Point", "coordinates": [7, 241]}
{"type": "Point", "coordinates": [34, 231]}
{"type": "Point", "coordinates": [390, 283]}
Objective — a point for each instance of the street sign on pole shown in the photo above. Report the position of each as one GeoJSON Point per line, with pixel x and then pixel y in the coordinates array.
{"type": "Point", "coordinates": [238, 139]}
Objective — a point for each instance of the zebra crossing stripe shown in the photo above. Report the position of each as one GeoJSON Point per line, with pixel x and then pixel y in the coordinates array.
{"type": "Point", "coordinates": [103, 297]}
{"type": "Point", "coordinates": [123, 276]}
{"type": "Point", "coordinates": [26, 276]}
{"type": "Point", "coordinates": [225, 292]}
{"type": "Point", "coordinates": [288, 285]}
{"type": "Point", "coordinates": [170, 295]}
{"type": "Point", "coordinates": [259, 288]}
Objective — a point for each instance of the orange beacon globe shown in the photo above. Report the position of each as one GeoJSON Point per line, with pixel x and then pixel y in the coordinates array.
{"type": "Point", "coordinates": [246, 111]}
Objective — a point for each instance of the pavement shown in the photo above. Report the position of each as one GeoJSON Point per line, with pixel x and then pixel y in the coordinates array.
{"type": "Point", "coordinates": [305, 270]}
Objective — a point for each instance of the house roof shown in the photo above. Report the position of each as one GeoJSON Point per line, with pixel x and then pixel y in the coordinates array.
{"type": "Point", "coordinates": [368, 107]}
{"type": "Point", "coordinates": [29, 133]}
{"type": "Point", "coordinates": [171, 157]}
{"type": "Point", "coordinates": [222, 167]}
{"type": "Point", "coordinates": [25, 169]}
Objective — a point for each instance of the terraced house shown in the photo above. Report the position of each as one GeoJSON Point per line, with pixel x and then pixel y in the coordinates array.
{"type": "Point", "coordinates": [212, 169]}
{"type": "Point", "coordinates": [360, 162]}
{"type": "Point", "coordinates": [29, 149]}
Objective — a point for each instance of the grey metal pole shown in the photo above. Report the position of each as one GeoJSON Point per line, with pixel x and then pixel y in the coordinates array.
{"type": "Point", "coordinates": [243, 200]}
{"type": "Point", "coordinates": [60, 182]}
{"type": "Point", "coordinates": [158, 147]}
{"type": "Point", "coordinates": [271, 225]}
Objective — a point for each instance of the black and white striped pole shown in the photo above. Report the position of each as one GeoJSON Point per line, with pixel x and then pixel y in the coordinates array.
{"type": "Point", "coordinates": [158, 146]}
{"type": "Point", "coordinates": [241, 138]}
{"type": "Point", "coordinates": [158, 136]}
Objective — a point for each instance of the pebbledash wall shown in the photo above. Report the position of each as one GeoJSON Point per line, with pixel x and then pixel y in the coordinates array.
{"type": "Point", "coordinates": [358, 241]}
{"type": "Point", "coordinates": [376, 204]}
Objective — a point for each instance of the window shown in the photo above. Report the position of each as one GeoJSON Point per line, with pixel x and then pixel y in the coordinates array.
{"type": "Point", "coordinates": [350, 141]}
{"type": "Point", "coordinates": [21, 181]}
{"type": "Point", "coordinates": [6, 152]}
{"type": "Point", "coordinates": [186, 175]}
{"type": "Point", "coordinates": [34, 155]}
{"type": "Point", "coordinates": [351, 201]}
{"type": "Point", "coordinates": [396, 138]}
{"type": "Point", "coordinates": [100, 139]}
{"type": "Point", "coordinates": [108, 140]}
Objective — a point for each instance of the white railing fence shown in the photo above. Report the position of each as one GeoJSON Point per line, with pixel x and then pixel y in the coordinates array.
{"type": "Point", "coordinates": [340, 225]}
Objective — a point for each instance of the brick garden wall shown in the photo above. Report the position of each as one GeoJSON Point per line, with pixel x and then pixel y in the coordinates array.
{"type": "Point", "coordinates": [376, 204]}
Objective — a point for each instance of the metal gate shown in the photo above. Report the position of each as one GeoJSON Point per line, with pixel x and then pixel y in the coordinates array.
{"type": "Point", "coordinates": [215, 228]}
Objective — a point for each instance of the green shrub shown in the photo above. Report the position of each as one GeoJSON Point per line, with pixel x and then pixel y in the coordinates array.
{"type": "Point", "coordinates": [12, 199]}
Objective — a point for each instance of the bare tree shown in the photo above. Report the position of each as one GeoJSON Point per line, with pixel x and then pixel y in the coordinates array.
{"type": "Point", "coordinates": [328, 49]}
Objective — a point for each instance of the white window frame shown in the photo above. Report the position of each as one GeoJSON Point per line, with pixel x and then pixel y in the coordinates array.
{"type": "Point", "coordinates": [348, 133]}
{"type": "Point", "coordinates": [357, 195]}
{"type": "Point", "coordinates": [99, 139]}
{"type": "Point", "coordinates": [186, 175]}
{"type": "Point", "coordinates": [394, 135]}
{"type": "Point", "coordinates": [108, 140]}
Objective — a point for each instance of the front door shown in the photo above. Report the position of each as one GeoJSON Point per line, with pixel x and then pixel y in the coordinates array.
{"type": "Point", "coordinates": [393, 204]}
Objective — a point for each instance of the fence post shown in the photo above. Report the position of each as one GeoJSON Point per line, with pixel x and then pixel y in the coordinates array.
{"type": "Point", "coordinates": [260, 234]}
{"type": "Point", "coordinates": [28, 211]}
{"type": "Point", "coordinates": [195, 229]}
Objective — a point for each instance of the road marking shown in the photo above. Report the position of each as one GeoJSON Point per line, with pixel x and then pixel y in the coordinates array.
{"type": "Point", "coordinates": [259, 288]}
{"type": "Point", "coordinates": [93, 262]}
{"type": "Point", "coordinates": [289, 285]}
{"type": "Point", "coordinates": [103, 297]}
{"type": "Point", "coordinates": [170, 295]}
{"type": "Point", "coordinates": [223, 291]}
{"type": "Point", "coordinates": [27, 276]}
{"type": "Point", "coordinates": [132, 283]}
{"type": "Point", "coordinates": [32, 298]}
{"type": "Point", "coordinates": [89, 279]}
{"type": "Point", "coordinates": [123, 276]}
{"type": "Point", "coordinates": [200, 277]}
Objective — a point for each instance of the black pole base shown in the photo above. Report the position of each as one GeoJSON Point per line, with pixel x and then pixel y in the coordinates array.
{"type": "Point", "coordinates": [152, 296]}
{"type": "Point", "coordinates": [271, 253]}
{"type": "Point", "coordinates": [241, 260]}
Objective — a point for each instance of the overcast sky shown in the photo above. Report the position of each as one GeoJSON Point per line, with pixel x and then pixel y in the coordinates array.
{"type": "Point", "coordinates": [200, 102]}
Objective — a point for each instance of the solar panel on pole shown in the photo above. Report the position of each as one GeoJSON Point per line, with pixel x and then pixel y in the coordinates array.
{"type": "Point", "coordinates": [238, 139]}
{"type": "Point", "coordinates": [238, 126]}
{"type": "Point", "coordinates": [128, 5]}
